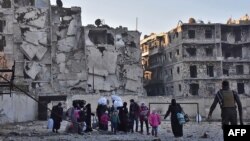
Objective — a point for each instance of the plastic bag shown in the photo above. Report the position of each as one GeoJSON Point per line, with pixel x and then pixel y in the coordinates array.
{"type": "Point", "coordinates": [102, 101]}
{"type": "Point", "coordinates": [180, 117]}
{"type": "Point", "coordinates": [118, 104]}
{"type": "Point", "coordinates": [116, 98]}
{"type": "Point", "coordinates": [84, 126]}
{"type": "Point", "coordinates": [50, 123]}
{"type": "Point", "coordinates": [95, 123]}
{"type": "Point", "coordinates": [198, 118]}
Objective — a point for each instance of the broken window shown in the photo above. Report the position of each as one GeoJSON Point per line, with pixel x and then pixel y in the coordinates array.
{"type": "Point", "coordinates": [6, 4]}
{"type": "Point", "coordinates": [208, 34]}
{"type": "Point", "coordinates": [239, 69]}
{"type": "Point", "coordinates": [176, 34]}
{"type": "Point", "coordinates": [191, 34]}
{"type": "Point", "coordinates": [191, 51]}
{"type": "Point", "coordinates": [209, 52]}
{"type": "Point", "coordinates": [177, 52]}
{"type": "Point", "coordinates": [180, 87]}
{"type": "Point", "coordinates": [170, 55]}
{"type": "Point", "coordinates": [240, 87]}
{"type": "Point", "coordinates": [194, 89]}
{"type": "Point", "coordinates": [226, 72]}
{"type": "Point", "coordinates": [169, 39]}
{"type": "Point", "coordinates": [210, 71]}
{"type": "Point", "coordinates": [178, 70]}
{"type": "Point", "coordinates": [2, 43]}
{"type": "Point", "coordinates": [232, 51]}
{"type": "Point", "coordinates": [2, 25]}
{"type": "Point", "coordinates": [193, 71]}
{"type": "Point", "coordinates": [110, 40]}
{"type": "Point", "coordinates": [100, 37]}
{"type": "Point", "coordinates": [237, 32]}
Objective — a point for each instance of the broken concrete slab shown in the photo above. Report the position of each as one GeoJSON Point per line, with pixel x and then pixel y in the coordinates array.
{"type": "Point", "coordinates": [67, 18]}
{"type": "Point", "coordinates": [32, 69]}
{"type": "Point", "coordinates": [67, 44]}
{"type": "Point", "coordinates": [40, 52]}
{"type": "Point", "coordinates": [28, 50]}
{"type": "Point", "coordinates": [40, 22]}
{"type": "Point", "coordinates": [36, 37]}
{"type": "Point", "coordinates": [119, 42]}
{"type": "Point", "coordinates": [73, 27]}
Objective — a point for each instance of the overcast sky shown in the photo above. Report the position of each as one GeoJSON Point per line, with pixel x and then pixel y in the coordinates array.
{"type": "Point", "coordinates": [157, 15]}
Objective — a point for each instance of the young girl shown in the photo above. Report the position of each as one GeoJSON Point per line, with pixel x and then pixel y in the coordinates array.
{"type": "Point", "coordinates": [104, 121]}
{"type": "Point", "coordinates": [154, 121]}
{"type": "Point", "coordinates": [114, 121]}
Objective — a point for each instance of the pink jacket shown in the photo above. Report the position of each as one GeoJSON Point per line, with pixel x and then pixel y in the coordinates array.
{"type": "Point", "coordinates": [154, 120]}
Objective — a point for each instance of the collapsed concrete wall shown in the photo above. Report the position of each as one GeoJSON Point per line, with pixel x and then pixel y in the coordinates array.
{"type": "Point", "coordinates": [55, 55]}
{"type": "Point", "coordinates": [113, 60]}
{"type": "Point", "coordinates": [69, 57]}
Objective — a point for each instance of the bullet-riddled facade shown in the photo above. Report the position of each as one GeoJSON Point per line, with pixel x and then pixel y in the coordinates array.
{"type": "Point", "coordinates": [199, 56]}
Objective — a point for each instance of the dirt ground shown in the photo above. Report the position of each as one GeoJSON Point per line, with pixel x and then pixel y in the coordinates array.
{"type": "Point", "coordinates": [37, 131]}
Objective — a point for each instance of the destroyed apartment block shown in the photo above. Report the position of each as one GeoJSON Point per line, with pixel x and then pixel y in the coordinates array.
{"type": "Point", "coordinates": [197, 57]}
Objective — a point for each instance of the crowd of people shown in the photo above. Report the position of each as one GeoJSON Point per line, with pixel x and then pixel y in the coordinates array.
{"type": "Point", "coordinates": [123, 118]}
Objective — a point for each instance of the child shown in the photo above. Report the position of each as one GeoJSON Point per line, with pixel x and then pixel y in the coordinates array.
{"type": "Point", "coordinates": [114, 121]}
{"type": "Point", "coordinates": [104, 121]}
{"type": "Point", "coordinates": [154, 121]}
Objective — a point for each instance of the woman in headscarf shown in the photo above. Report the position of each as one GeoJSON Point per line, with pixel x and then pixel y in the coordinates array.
{"type": "Point", "coordinates": [174, 108]}
{"type": "Point", "coordinates": [88, 117]}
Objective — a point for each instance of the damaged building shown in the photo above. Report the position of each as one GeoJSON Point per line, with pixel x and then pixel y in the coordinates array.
{"type": "Point", "coordinates": [113, 60]}
{"type": "Point", "coordinates": [199, 56]}
{"type": "Point", "coordinates": [153, 59]}
{"type": "Point", "coordinates": [57, 58]}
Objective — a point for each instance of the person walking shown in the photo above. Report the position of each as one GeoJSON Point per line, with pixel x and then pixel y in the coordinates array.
{"type": "Point", "coordinates": [173, 109]}
{"type": "Point", "coordinates": [227, 100]}
{"type": "Point", "coordinates": [154, 121]}
{"type": "Point", "coordinates": [144, 113]}
{"type": "Point", "coordinates": [134, 110]}
{"type": "Point", "coordinates": [56, 115]}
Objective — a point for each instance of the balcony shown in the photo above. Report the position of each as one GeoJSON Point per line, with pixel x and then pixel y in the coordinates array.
{"type": "Point", "coordinates": [156, 50]}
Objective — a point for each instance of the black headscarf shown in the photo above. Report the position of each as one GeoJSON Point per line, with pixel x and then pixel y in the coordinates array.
{"type": "Point", "coordinates": [173, 102]}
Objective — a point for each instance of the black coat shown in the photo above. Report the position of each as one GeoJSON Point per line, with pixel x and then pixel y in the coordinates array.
{"type": "Point", "coordinates": [176, 127]}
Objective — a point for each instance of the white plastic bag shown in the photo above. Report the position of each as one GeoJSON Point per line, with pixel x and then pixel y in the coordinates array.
{"type": "Point", "coordinates": [116, 98]}
{"type": "Point", "coordinates": [198, 118]}
{"type": "Point", "coordinates": [84, 126]}
{"type": "Point", "coordinates": [102, 101]}
{"type": "Point", "coordinates": [118, 104]}
{"type": "Point", "coordinates": [50, 123]}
